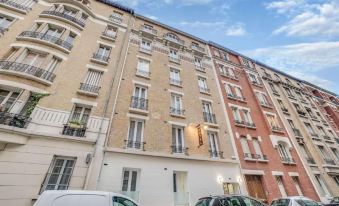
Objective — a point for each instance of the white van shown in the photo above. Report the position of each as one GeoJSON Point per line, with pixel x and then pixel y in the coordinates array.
{"type": "Point", "coordinates": [83, 198]}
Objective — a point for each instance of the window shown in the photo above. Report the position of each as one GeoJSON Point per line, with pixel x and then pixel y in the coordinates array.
{"type": "Point", "coordinates": [130, 180]}
{"type": "Point", "coordinates": [231, 188]}
{"type": "Point", "coordinates": [253, 78]}
{"type": "Point", "coordinates": [116, 17]}
{"type": "Point", "coordinates": [174, 54]}
{"type": "Point", "coordinates": [324, 153]}
{"type": "Point", "coordinates": [281, 186]}
{"type": "Point", "coordinates": [5, 21]}
{"type": "Point", "coordinates": [262, 98]}
{"type": "Point", "coordinates": [229, 91]}
{"type": "Point", "coordinates": [282, 106]}
{"type": "Point", "coordinates": [305, 152]}
{"type": "Point", "coordinates": [203, 84]}
{"type": "Point", "coordinates": [257, 149]}
{"type": "Point", "coordinates": [236, 114]}
{"type": "Point", "coordinates": [31, 58]}
{"type": "Point", "coordinates": [139, 99]}
{"type": "Point", "coordinates": [335, 152]}
{"type": "Point", "coordinates": [310, 113]}
{"type": "Point", "coordinates": [135, 134]}
{"type": "Point", "coordinates": [175, 77]}
{"type": "Point", "coordinates": [274, 90]}
{"type": "Point", "coordinates": [143, 67]}
{"type": "Point", "coordinates": [213, 144]}
{"type": "Point", "coordinates": [111, 32]}
{"type": "Point", "coordinates": [80, 114]}
{"type": "Point", "coordinates": [177, 139]}
{"type": "Point", "coordinates": [336, 179]}
{"type": "Point", "coordinates": [247, 63]}
{"type": "Point", "coordinates": [238, 92]}
{"type": "Point", "coordinates": [120, 201]}
{"type": "Point", "coordinates": [283, 152]}
{"type": "Point", "coordinates": [247, 117]}
{"type": "Point", "coordinates": [289, 92]}
{"type": "Point", "coordinates": [176, 104]}
{"type": "Point", "coordinates": [272, 121]}
{"type": "Point", "coordinates": [322, 185]}
{"type": "Point", "coordinates": [331, 133]}
{"type": "Point", "coordinates": [7, 99]}
{"type": "Point", "coordinates": [93, 77]}
{"type": "Point", "coordinates": [297, 185]}
{"type": "Point", "coordinates": [244, 146]}
{"type": "Point", "coordinates": [70, 38]}
{"type": "Point", "coordinates": [69, 11]}
{"type": "Point", "coordinates": [53, 64]}
{"type": "Point", "coordinates": [207, 112]}
{"type": "Point", "coordinates": [103, 53]}
{"type": "Point", "coordinates": [146, 45]}
{"type": "Point", "coordinates": [309, 128]}
{"type": "Point", "coordinates": [59, 174]}
{"type": "Point", "coordinates": [52, 32]}
{"type": "Point", "coordinates": [322, 131]}
{"type": "Point", "coordinates": [198, 62]}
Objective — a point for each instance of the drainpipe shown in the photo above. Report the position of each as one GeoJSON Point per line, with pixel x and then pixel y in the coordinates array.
{"type": "Point", "coordinates": [99, 147]}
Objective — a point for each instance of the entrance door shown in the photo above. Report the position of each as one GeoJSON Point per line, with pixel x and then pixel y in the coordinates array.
{"type": "Point", "coordinates": [255, 187]}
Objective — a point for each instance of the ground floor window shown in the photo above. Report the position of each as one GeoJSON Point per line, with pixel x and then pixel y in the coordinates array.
{"type": "Point", "coordinates": [231, 188]}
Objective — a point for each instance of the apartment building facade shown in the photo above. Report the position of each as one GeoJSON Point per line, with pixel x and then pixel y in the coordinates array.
{"type": "Point", "coordinates": [58, 70]}
{"type": "Point", "coordinates": [170, 143]}
{"type": "Point", "coordinates": [270, 164]}
{"type": "Point", "coordinates": [310, 131]}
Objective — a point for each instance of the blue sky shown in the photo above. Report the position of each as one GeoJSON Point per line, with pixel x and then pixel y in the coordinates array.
{"type": "Point", "coordinates": [300, 37]}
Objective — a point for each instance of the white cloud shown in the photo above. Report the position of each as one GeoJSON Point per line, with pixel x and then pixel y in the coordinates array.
{"type": "Point", "coordinates": [151, 17]}
{"type": "Point", "coordinates": [319, 20]}
{"type": "Point", "coordinates": [236, 30]}
{"type": "Point", "coordinates": [303, 60]}
{"type": "Point", "coordinates": [199, 24]}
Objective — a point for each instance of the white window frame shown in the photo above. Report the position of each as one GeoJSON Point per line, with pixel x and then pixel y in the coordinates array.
{"type": "Point", "coordinates": [135, 131]}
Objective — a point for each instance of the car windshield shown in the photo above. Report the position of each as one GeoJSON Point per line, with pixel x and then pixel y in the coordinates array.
{"type": "Point", "coordinates": [280, 202]}
{"type": "Point", "coordinates": [305, 202]}
{"type": "Point", "coordinates": [204, 202]}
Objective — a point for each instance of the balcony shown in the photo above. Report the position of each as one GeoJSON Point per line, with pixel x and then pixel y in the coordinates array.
{"type": "Point", "coordinates": [228, 75]}
{"type": "Point", "coordinates": [200, 68]}
{"type": "Point", "coordinates": [240, 123]}
{"type": "Point", "coordinates": [209, 118]}
{"type": "Point", "coordinates": [27, 71]}
{"type": "Point", "coordinates": [47, 38]}
{"type": "Point", "coordinates": [174, 41]}
{"type": "Point", "coordinates": [215, 154]}
{"type": "Point", "coordinates": [148, 31]}
{"type": "Point", "coordinates": [287, 160]}
{"type": "Point", "coordinates": [204, 90]}
{"type": "Point", "coordinates": [255, 156]}
{"type": "Point", "coordinates": [255, 83]}
{"type": "Point", "coordinates": [74, 130]}
{"type": "Point", "coordinates": [89, 89]}
{"type": "Point", "coordinates": [310, 160]}
{"type": "Point", "coordinates": [174, 59]}
{"type": "Point", "coordinates": [143, 73]}
{"type": "Point", "coordinates": [231, 96]}
{"type": "Point", "coordinates": [13, 4]}
{"type": "Point", "coordinates": [146, 50]}
{"type": "Point", "coordinates": [109, 35]}
{"type": "Point", "coordinates": [99, 58]}
{"type": "Point", "coordinates": [67, 17]}
{"type": "Point", "coordinates": [198, 49]}
{"type": "Point", "coordinates": [177, 111]}
{"type": "Point", "coordinates": [179, 149]}
{"type": "Point", "coordinates": [116, 18]}
{"type": "Point", "coordinates": [297, 132]}
{"type": "Point", "coordinates": [139, 103]}
{"type": "Point", "coordinates": [181, 199]}
{"type": "Point", "coordinates": [14, 120]}
{"type": "Point", "coordinates": [277, 129]}
{"type": "Point", "coordinates": [329, 161]}
{"type": "Point", "coordinates": [175, 82]}
{"type": "Point", "coordinates": [135, 144]}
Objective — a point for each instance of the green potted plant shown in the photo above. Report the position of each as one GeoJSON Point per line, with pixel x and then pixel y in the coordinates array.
{"type": "Point", "coordinates": [75, 124]}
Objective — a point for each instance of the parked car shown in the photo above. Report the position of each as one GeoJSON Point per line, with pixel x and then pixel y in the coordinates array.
{"type": "Point", "coordinates": [295, 201]}
{"type": "Point", "coordinates": [83, 198]}
{"type": "Point", "coordinates": [334, 202]}
{"type": "Point", "coordinates": [228, 200]}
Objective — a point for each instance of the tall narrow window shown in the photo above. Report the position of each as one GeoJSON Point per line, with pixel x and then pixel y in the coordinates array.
{"type": "Point", "coordinates": [31, 58]}
{"type": "Point", "coordinates": [53, 65]}
{"type": "Point", "coordinates": [245, 147]}
{"type": "Point", "coordinates": [236, 114]}
{"type": "Point", "coordinates": [335, 152]}
{"type": "Point", "coordinates": [247, 117]}
{"type": "Point", "coordinates": [208, 113]}
{"type": "Point", "coordinates": [59, 174]}
{"type": "Point", "coordinates": [257, 148]}
{"type": "Point", "coordinates": [111, 32]}
{"type": "Point", "coordinates": [7, 99]}
{"type": "Point", "coordinates": [103, 53]}
{"type": "Point", "coordinates": [176, 104]}
{"type": "Point", "coordinates": [92, 81]}
{"type": "Point", "coordinates": [238, 92]}
{"type": "Point", "coordinates": [178, 139]}
{"type": "Point", "coordinates": [175, 77]}
{"type": "Point", "coordinates": [213, 144]}
{"type": "Point", "coordinates": [198, 62]}
{"type": "Point", "coordinates": [130, 183]}
{"type": "Point", "coordinates": [297, 185]}
{"type": "Point", "coordinates": [143, 67]}
{"type": "Point", "coordinates": [70, 39]}
{"type": "Point", "coordinates": [174, 54]}
{"type": "Point", "coordinates": [139, 98]}
{"type": "Point", "coordinates": [146, 45]}
{"type": "Point", "coordinates": [135, 134]}
{"type": "Point", "coordinates": [284, 153]}
{"type": "Point", "coordinates": [321, 183]}
{"type": "Point", "coordinates": [80, 114]}
{"type": "Point", "coordinates": [5, 21]}
{"type": "Point", "coordinates": [203, 84]}
{"type": "Point", "coordinates": [281, 186]}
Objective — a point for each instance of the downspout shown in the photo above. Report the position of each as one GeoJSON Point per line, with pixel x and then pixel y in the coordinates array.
{"type": "Point", "coordinates": [116, 96]}
{"type": "Point", "coordinates": [107, 101]}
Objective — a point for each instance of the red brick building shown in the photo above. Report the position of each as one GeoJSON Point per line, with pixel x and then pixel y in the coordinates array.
{"type": "Point", "coordinates": [269, 162]}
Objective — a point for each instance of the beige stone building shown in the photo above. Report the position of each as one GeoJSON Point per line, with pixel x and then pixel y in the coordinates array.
{"type": "Point", "coordinates": [58, 70]}
{"type": "Point", "coordinates": [314, 137]}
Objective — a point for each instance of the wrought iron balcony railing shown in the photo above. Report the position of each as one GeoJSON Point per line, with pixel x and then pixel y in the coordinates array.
{"type": "Point", "coordinates": [48, 38]}
{"type": "Point", "coordinates": [74, 131]}
{"type": "Point", "coordinates": [135, 144]}
{"type": "Point", "coordinates": [149, 30]}
{"type": "Point", "coordinates": [14, 4]}
{"type": "Point", "coordinates": [89, 88]}
{"type": "Point", "coordinates": [174, 40]}
{"type": "Point", "coordinates": [214, 154]}
{"type": "Point", "coordinates": [250, 124]}
{"type": "Point", "coordinates": [109, 35]}
{"type": "Point", "coordinates": [198, 48]}
{"type": "Point", "coordinates": [287, 159]}
{"type": "Point", "coordinates": [100, 57]}
{"type": "Point", "coordinates": [255, 156]}
{"type": "Point", "coordinates": [14, 120]}
{"type": "Point", "coordinates": [177, 111]}
{"type": "Point", "coordinates": [27, 69]}
{"type": "Point", "coordinates": [139, 103]}
{"type": "Point", "coordinates": [179, 149]}
{"type": "Point", "coordinates": [80, 22]}
{"type": "Point", "coordinates": [209, 118]}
